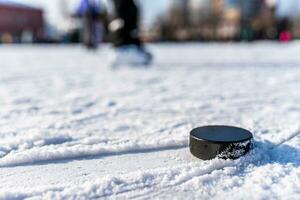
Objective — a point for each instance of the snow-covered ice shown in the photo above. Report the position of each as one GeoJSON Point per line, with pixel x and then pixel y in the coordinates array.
{"type": "Point", "coordinates": [73, 128]}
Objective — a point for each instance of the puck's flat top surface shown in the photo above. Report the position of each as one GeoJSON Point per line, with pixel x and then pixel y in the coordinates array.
{"type": "Point", "coordinates": [221, 134]}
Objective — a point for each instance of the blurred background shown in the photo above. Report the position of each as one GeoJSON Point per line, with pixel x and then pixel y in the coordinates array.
{"type": "Point", "coordinates": [58, 21]}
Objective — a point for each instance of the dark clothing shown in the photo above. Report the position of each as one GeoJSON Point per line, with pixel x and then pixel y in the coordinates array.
{"type": "Point", "coordinates": [128, 12]}
{"type": "Point", "coordinates": [89, 32]}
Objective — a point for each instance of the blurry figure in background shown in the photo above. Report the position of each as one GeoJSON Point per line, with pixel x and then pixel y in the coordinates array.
{"type": "Point", "coordinates": [283, 30]}
{"type": "Point", "coordinates": [91, 12]}
{"type": "Point", "coordinates": [124, 28]}
{"type": "Point", "coordinates": [284, 9]}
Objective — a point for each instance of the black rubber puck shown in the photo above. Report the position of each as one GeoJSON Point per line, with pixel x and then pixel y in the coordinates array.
{"type": "Point", "coordinates": [224, 142]}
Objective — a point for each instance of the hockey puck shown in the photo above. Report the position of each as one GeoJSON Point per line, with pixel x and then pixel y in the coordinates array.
{"type": "Point", "coordinates": [225, 142]}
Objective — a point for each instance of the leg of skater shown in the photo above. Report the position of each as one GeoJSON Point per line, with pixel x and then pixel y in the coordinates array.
{"type": "Point", "coordinates": [125, 33]}
{"type": "Point", "coordinates": [90, 12]}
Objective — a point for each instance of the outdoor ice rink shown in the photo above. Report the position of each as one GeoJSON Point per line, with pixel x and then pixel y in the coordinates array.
{"type": "Point", "coordinates": [73, 128]}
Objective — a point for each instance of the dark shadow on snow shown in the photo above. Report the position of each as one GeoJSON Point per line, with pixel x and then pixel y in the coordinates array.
{"type": "Point", "coordinates": [93, 157]}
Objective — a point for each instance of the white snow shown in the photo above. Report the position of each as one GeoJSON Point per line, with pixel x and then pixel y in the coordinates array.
{"type": "Point", "coordinates": [73, 128]}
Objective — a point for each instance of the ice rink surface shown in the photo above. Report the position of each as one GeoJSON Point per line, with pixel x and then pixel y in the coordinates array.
{"type": "Point", "coordinates": [73, 128]}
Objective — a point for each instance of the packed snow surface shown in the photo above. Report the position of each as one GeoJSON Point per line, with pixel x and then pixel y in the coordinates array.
{"type": "Point", "coordinates": [73, 128]}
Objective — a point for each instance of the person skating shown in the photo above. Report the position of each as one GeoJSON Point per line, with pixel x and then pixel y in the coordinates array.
{"type": "Point", "coordinates": [124, 28]}
{"type": "Point", "coordinates": [90, 12]}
